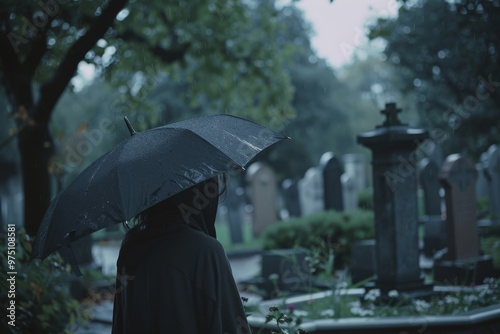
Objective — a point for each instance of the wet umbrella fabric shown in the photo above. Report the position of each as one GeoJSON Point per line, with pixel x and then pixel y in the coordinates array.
{"type": "Point", "coordinates": [145, 169]}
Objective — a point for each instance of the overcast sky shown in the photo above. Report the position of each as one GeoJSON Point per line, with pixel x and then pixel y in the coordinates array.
{"type": "Point", "coordinates": [339, 25]}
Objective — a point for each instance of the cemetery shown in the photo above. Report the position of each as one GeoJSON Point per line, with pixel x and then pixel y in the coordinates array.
{"type": "Point", "coordinates": [425, 244]}
{"type": "Point", "coordinates": [246, 160]}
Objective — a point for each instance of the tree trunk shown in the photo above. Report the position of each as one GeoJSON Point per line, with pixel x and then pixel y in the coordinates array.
{"type": "Point", "coordinates": [35, 147]}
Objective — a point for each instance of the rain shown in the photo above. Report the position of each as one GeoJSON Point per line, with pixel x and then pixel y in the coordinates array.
{"type": "Point", "coordinates": [351, 149]}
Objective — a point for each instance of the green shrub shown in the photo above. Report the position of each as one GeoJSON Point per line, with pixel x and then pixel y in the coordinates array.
{"type": "Point", "coordinates": [365, 199]}
{"type": "Point", "coordinates": [324, 230]}
{"type": "Point", "coordinates": [43, 303]}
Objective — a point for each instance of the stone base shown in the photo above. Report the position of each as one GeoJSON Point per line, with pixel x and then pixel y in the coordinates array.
{"type": "Point", "coordinates": [463, 272]}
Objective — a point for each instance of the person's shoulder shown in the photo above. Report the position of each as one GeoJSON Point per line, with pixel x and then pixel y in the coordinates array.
{"type": "Point", "coordinates": [205, 242]}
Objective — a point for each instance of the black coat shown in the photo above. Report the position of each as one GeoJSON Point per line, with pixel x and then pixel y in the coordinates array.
{"type": "Point", "coordinates": [175, 278]}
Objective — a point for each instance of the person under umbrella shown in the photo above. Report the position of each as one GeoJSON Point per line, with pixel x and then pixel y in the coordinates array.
{"type": "Point", "coordinates": [173, 276]}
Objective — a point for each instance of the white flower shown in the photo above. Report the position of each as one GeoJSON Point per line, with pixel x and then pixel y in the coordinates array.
{"type": "Point", "coordinates": [421, 305]}
{"type": "Point", "coordinates": [485, 292]}
{"type": "Point", "coordinates": [342, 285]}
{"type": "Point", "coordinates": [471, 298]}
{"type": "Point", "coordinates": [300, 313]}
{"type": "Point", "coordinates": [372, 295]}
{"type": "Point", "coordinates": [356, 309]}
{"type": "Point", "coordinates": [327, 313]}
{"type": "Point", "coordinates": [393, 293]}
{"type": "Point", "coordinates": [451, 300]}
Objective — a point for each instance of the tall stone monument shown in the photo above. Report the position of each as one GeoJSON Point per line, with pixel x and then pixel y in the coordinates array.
{"type": "Point", "coordinates": [393, 146]}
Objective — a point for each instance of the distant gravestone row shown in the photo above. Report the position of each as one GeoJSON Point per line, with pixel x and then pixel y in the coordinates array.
{"type": "Point", "coordinates": [332, 185]}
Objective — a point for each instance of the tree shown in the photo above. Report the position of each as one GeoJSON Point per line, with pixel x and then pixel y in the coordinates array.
{"type": "Point", "coordinates": [448, 56]}
{"type": "Point", "coordinates": [228, 58]}
{"type": "Point", "coordinates": [321, 122]}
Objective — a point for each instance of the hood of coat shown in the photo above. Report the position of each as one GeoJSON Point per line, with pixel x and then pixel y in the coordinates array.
{"type": "Point", "coordinates": [195, 207]}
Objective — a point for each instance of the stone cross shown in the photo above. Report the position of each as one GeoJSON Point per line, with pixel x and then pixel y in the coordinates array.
{"type": "Point", "coordinates": [262, 190]}
{"type": "Point", "coordinates": [391, 114]}
{"type": "Point", "coordinates": [458, 178]}
{"type": "Point", "coordinates": [332, 171]}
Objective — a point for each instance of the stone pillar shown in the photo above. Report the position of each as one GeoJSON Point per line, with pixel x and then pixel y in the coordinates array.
{"type": "Point", "coordinates": [394, 159]}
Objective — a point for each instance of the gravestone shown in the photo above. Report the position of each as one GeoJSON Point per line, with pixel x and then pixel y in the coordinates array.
{"type": "Point", "coordinates": [458, 177]}
{"type": "Point", "coordinates": [434, 225]}
{"type": "Point", "coordinates": [354, 179]}
{"type": "Point", "coordinates": [462, 263]}
{"type": "Point", "coordinates": [311, 192]}
{"type": "Point", "coordinates": [332, 186]}
{"type": "Point", "coordinates": [363, 260]}
{"type": "Point", "coordinates": [261, 181]}
{"type": "Point", "coordinates": [285, 270]}
{"type": "Point", "coordinates": [395, 201]}
{"type": "Point", "coordinates": [493, 176]}
{"type": "Point", "coordinates": [235, 204]}
{"type": "Point", "coordinates": [349, 192]}
{"type": "Point", "coordinates": [290, 193]}
{"type": "Point", "coordinates": [428, 175]}
{"type": "Point", "coordinates": [482, 191]}
{"type": "Point", "coordinates": [355, 167]}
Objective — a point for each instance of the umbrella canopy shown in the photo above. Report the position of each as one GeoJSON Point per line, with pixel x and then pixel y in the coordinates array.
{"type": "Point", "coordinates": [145, 169]}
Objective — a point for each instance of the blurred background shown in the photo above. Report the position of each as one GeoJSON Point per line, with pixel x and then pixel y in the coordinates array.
{"type": "Point", "coordinates": [318, 71]}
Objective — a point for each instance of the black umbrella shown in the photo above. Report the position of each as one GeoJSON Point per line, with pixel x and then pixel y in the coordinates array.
{"type": "Point", "coordinates": [145, 169]}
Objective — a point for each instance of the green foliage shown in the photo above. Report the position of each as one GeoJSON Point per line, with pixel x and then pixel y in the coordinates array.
{"type": "Point", "coordinates": [285, 323]}
{"type": "Point", "coordinates": [325, 230]}
{"type": "Point", "coordinates": [446, 54]}
{"type": "Point", "coordinates": [491, 246]}
{"type": "Point", "coordinates": [42, 296]}
{"type": "Point", "coordinates": [365, 200]}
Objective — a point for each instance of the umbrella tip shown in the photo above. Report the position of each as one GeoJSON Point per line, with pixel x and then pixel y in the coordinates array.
{"type": "Point", "coordinates": [129, 126]}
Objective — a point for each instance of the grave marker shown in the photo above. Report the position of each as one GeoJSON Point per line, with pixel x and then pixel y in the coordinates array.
{"type": "Point", "coordinates": [262, 189]}
{"type": "Point", "coordinates": [493, 176]}
{"type": "Point", "coordinates": [332, 186]}
{"type": "Point", "coordinates": [458, 177]}
{"type": "Point", "coordinates": [395, 200]}
{"type": "Point", "coordinates": [462, 263]}
{"type": "Point", "coordinates": [311, 192]}
{"type": "Point", "coordinates": [291, 197]}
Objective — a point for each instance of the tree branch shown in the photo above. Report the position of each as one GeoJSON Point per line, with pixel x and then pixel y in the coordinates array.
{"type": "Point", "coordinates": [8, 55]}
{"type": "Point", "coordinates": [38, 49]}
{"type": "Point", "coordinates": [168, 56]}
{"type": "Point", "coordinates": [52, 90]}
